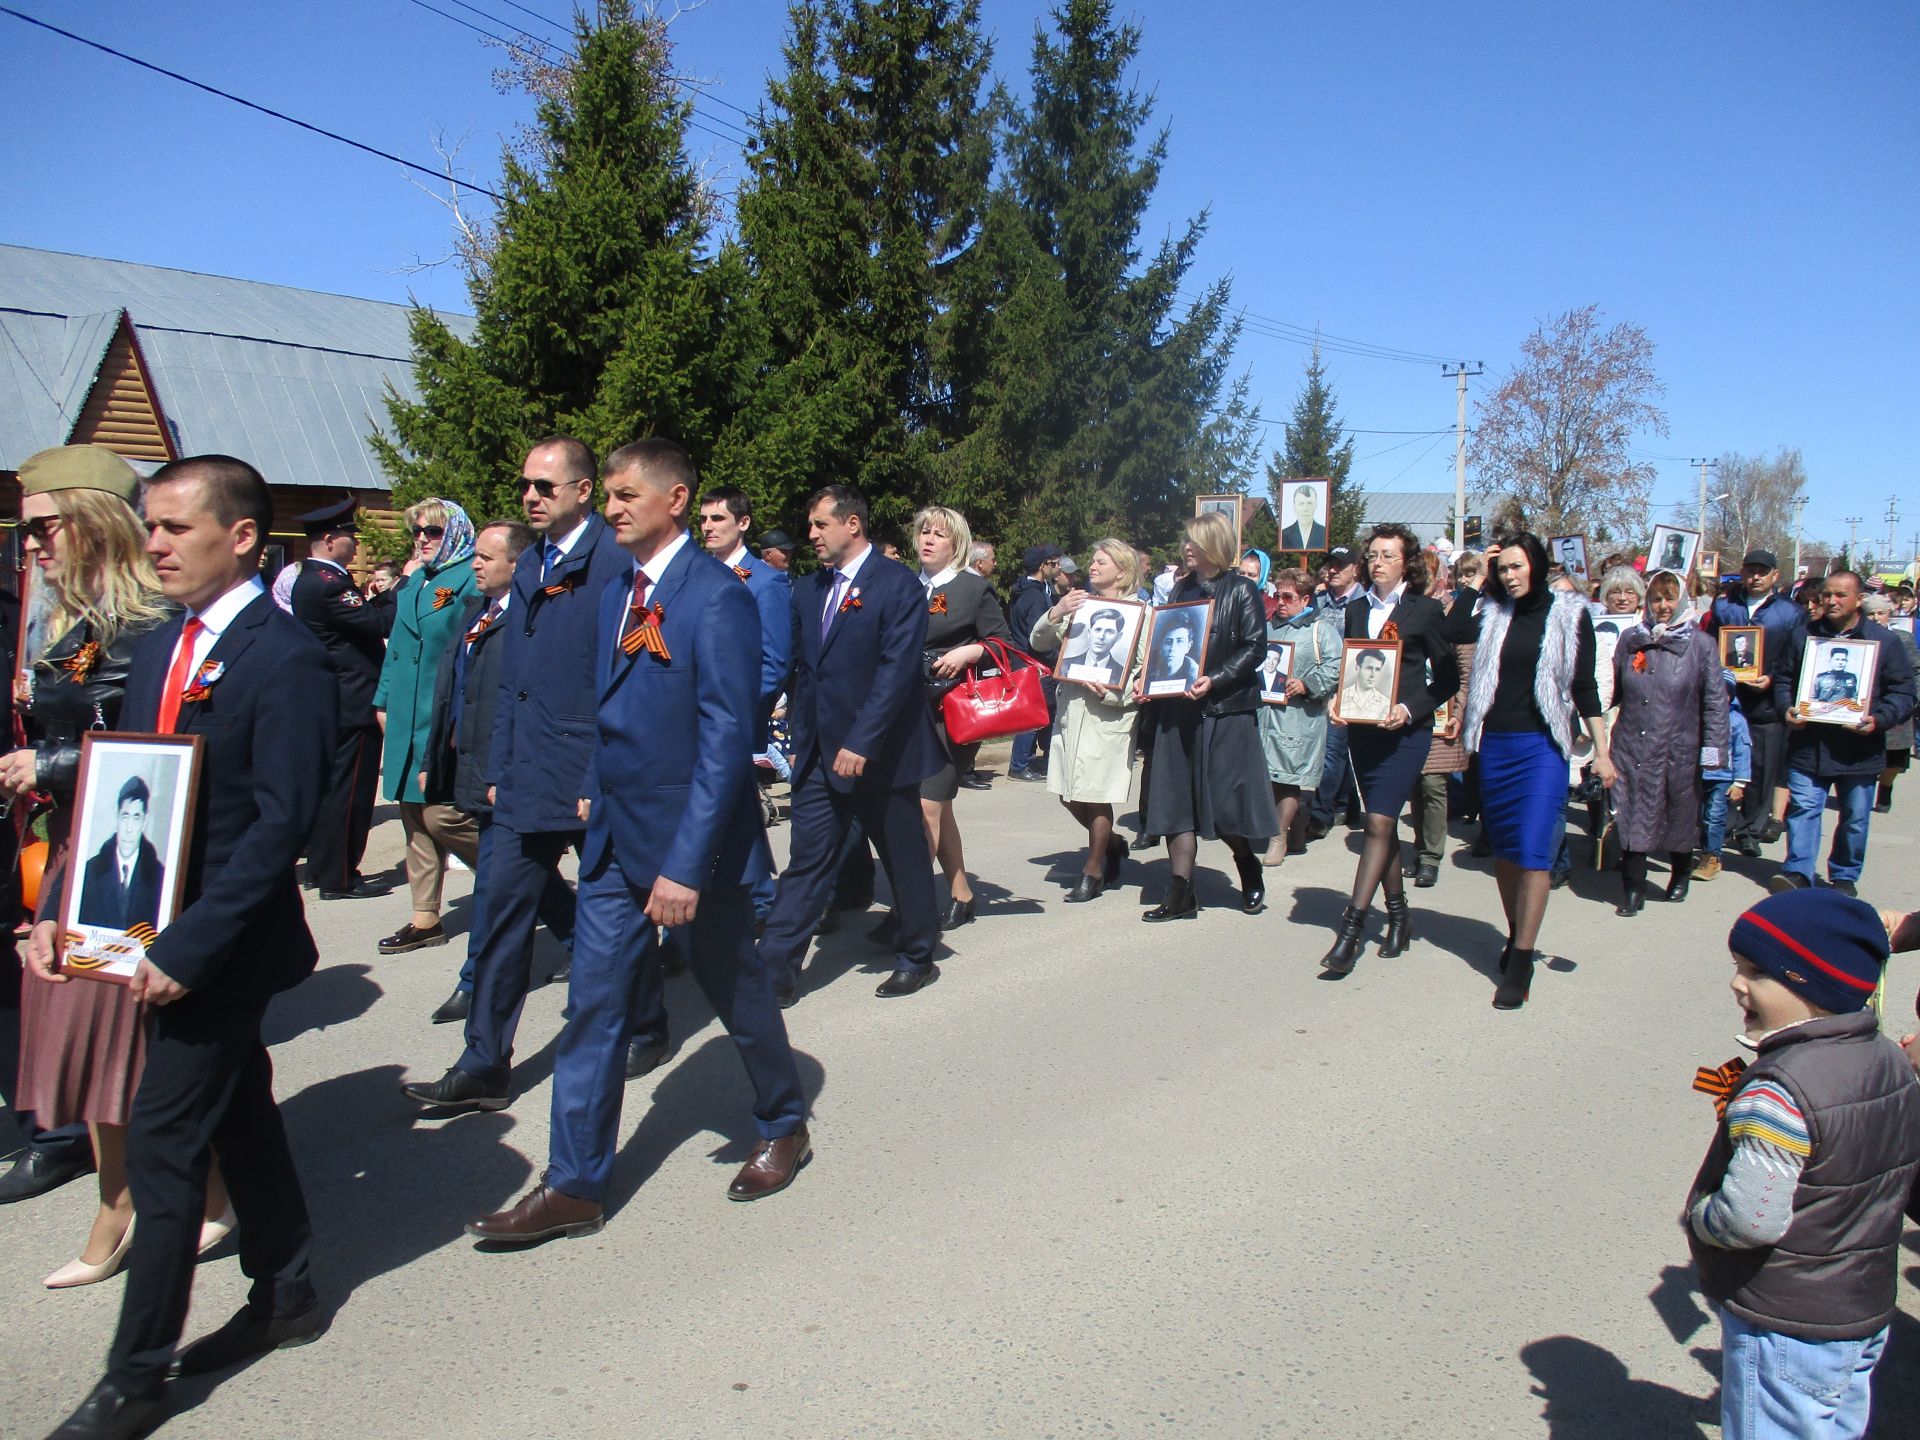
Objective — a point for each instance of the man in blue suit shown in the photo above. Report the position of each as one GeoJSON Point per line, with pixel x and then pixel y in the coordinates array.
{"type": "Point", "coordinates": [254, 685]}
{"type": "Point", "coordinates": [862, 742]}
{"type": "Point", "coordinates": [542, 743]}
{"type": "Point", "coordinates": [673, 839]}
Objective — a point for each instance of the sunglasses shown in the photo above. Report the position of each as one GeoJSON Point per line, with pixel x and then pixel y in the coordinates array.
{"type": "Point", "coordinates": [542, 488]}
{"type": "Point", "coordinates": [41, 528]}
{"type": "Point", "coordinates": [431, 532]}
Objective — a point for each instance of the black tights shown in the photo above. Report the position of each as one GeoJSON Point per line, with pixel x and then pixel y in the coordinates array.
{"type": "Point", "coordinates": [1633, 866]}
{"type": "Point", "coordinates": [1523, 895]}
{"type": "Point", "coordinates": [1379, 862]}
{"type": "Point", "coordinates": [1098, 822]}
{"type": "Point", "coordinates": [1184, 847]}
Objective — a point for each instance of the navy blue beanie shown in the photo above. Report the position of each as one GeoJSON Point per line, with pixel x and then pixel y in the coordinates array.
{"type": "Point", "coordinates": [1828, 947]}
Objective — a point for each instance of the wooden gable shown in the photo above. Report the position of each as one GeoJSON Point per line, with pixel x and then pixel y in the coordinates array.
{"type": "Point", "coordinates": [122, 412]}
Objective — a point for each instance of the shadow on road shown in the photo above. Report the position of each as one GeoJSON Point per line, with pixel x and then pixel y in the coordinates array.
{"type": "Point", "coordinates": [1588, 1395]}
{"type": "Point", "coordinates": [332, 995]}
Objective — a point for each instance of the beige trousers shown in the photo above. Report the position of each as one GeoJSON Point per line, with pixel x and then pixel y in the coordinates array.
{"type": "Point", "coordinates": [432, 831]}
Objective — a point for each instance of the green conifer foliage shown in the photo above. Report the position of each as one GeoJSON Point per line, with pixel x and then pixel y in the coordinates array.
{"type": "Point", "coordinates": [1316, 445]}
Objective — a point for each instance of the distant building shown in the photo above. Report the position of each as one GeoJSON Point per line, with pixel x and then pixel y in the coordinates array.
{"type": "Point", "coordinates": [1428, 513]}
{"type": "Point", "coordinates": [156, 363]}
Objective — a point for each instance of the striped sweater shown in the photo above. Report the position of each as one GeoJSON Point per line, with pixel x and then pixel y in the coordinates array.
{"type": "Point", "coordinates": [1754, 1204]}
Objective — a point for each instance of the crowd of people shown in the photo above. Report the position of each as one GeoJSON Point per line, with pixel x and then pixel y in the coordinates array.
{"type": "Point", "coordinates": [607, 673]}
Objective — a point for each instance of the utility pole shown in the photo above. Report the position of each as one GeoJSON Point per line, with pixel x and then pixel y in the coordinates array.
{"type": "Point", "coordinates": [1893, 527]}
{"type": "Point", "coordinates": [1799, 510]}
{"type": "Point", "coordinates": [1705, 465]}
{"type": "Point", "coordinates": [1460, 372]}
{"type": "Point", "coordinates": [1853, 531]}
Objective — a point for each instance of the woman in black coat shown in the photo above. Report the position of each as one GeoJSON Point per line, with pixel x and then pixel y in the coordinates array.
{"type": "Point", "coordinates": [1387, 756]}
{"type": "Point", "coordinates": [1209, 773]}
{"type": "Point", "coordinates": [962, 610]}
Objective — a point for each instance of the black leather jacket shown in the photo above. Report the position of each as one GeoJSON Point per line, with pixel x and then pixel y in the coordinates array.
{"type": "Point", "coordinates": [67, 703]}
{"type": "Point", "coordinates": [1236, 640]}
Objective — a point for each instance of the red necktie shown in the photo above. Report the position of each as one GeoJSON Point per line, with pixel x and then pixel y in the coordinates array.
{"type": "Point", "coordinates": [177, 675]}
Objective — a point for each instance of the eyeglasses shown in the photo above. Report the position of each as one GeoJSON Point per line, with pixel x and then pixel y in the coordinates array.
{"type": "Point", "coordinates": [542, 488]}
{"type": "Point", "coordinates": [431, 532]}
{"type": "Point", "coordinates": [41, 528]}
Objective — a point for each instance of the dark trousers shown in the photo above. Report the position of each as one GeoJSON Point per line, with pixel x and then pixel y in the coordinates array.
{"type": "Point", "coordinates": [208, 1084]}
{"type": "Point", "coordinates": [556, 908]}
{"type": "Point", "coordinates": [1335, 794]}
{"type": "Point", "coordinates": [821, 818]}
{"type": "Point", "coordinates": [1768, 771]}
{"type": "Point", "coordinates": [346, 814]}
{"type": "Point", "coordinates": [616, 956]}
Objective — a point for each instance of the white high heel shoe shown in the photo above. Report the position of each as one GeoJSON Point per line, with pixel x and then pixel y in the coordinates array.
{"type": "Point", "coordinates": [212, 1232]}
{"type": "Point", "coordinates": [78, 1272]}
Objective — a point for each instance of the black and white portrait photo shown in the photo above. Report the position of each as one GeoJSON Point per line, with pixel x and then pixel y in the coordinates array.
{"type": "Point", "coordinates": [1276, 668]}
{"type": "Point", "coordinates": [1303, 514]}
{"type": "Point", "coordinates": [1369, 679]}
{"type": "Point", "coordinates": [1099, 642]}
{"type": "Point", "coordinates": [1177, 647]}
{"type": "Point", "coordinates": [1227, 507]}
{"type": "Point", "coordinates": [1743, 650]}
{"type": "Point", "coordinates": [1672, 549]}
{"type": "Point", "coordinates": [1836, 680]}
{"type": "Point", "coordinates": [131, 835]}
{"type": "Point", "coordinates": [1569, 552]}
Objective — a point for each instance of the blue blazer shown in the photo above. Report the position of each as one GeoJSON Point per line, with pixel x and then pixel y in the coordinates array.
{"type": "Point", "coordinates": [543, 720]}
{"type": "Point", "coordinates": [772, 594]}
{"type": "Point", "coordinates": [673, 754]}
{"type": "Point", "coordinates": [861, 689]}
{"type": "Point", "coordinates": [267, 728]}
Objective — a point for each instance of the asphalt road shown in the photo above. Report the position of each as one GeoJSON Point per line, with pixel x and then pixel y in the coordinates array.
{"type": "Point", "coordinates": [1103, 1178]}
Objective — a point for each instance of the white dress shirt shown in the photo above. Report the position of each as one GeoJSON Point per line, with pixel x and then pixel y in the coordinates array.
{"type": "Point", "coordinates": [1379, 611]}
{"type": "Point", "coordinates": [217, 617]}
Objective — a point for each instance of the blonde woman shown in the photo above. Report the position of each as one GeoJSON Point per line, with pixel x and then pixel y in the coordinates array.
{"type": "Point", "coordinates": [1093, 731]}
{"type": "Point", "coordinates": [82, 1045]}
{"type": "Point", "coordinates": [962, 610]}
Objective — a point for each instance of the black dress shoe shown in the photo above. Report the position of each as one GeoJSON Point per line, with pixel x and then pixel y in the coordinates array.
{"type": "Point", "coordinates": [38, 1171]}
{"type": "Point", "coordinates": [906, 982]}
{"type": "Point", "coordinates": [1087, 887]}
{"type": "Point", "coordinates": [974, 780]}
{"type": "Point", "coordinates": [457, 1092]}
{"type": "Point", "coordinates": [411, 937]}
{"type": "Point", "coordinates": [564, 973]}
{"type": "Point", "coordinates": [456, 1006]}
{"type": "Point", "coordinates": [1179, 904]}
{"type": "Point", "coordinates": [1634, 902]}
{"type": "Point", "coordinates": [1318, 829]}
{"type": "Point", "coordinates": [247, 1335]}
{"type": "Point", "coordinates": [1426, 877]}
{"type": "Point", "coordinates": [1845, 887]}
{"type": "Point", "coordinates": [959, 912]}
{"type": "Point", "coordinates": [1789, 880]}
{"type": "Point", "coordinates": [645, 1056]}
{"type": "Point", "coordinates": [109, 1413]}
{"type": "Point", "coordinates": [1410, 869]}
{"type": "Point", "coordinates": [1253, 883]}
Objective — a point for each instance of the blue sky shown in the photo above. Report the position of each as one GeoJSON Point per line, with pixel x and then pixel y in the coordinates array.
{"type": "Point", "coordinates": [1740, 179]}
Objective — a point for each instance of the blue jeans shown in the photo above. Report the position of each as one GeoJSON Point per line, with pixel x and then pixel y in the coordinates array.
{"type": "Point", "coordinates": [1807, 802]}
{"type": "Point", "coordinates": [1715, 811]}
{"type": "Point", "coordinates": [1023, 747]}
{"type": "Point", "coordinates": [1774, 1387]}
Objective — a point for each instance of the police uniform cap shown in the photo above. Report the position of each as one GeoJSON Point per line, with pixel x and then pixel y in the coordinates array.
{"type": "Point", "coordinates": [79, 467]}
{"type": "Point", "coordinates": [328, 519]}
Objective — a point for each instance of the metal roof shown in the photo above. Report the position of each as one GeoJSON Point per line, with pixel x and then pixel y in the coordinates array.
{"type": "Point", "coordinates": [1428, 513]}
{"type": "Point", "coordinates": [292, 381]}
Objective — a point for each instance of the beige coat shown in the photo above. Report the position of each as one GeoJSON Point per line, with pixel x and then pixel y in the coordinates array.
{"type": "Point", "coordinates": [1093, 757]}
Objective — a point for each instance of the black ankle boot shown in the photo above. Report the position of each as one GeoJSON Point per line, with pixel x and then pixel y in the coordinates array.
{"type": "Point", "coordinates": [1253, 887]}
{"type": "Point", "coordinates": [1516, 978]}
{"type": "Point", "coordinates": [1681, 880]}
{"type": "Point", "coordinates": [1352, 940]}
{"type": "Point", "coordinates": [1633, 902]}
{"type": "Point", "coordinates": [1179, 904]}
{"type": "Point", "coordinates": [1399, 927]}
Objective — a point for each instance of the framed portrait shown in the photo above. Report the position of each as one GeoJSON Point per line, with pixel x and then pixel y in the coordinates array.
{"type": "Point", "coordinates": [1443, 716]}
{"type": "Point", "coordinates": [1228, 508]}
{"type": "Point", "coordinates": [1743, 650]}
{"type": "Point", "coordinates": [1177, 647]}
{"type": "Point", "coordinates": [1305, 507]}
{"type": "Point", "coordinates": [1836, 680]}
{"type": "Point", "coordinates": [1607, 630]}
{"type": "Point", "coordinates": [1672, 549]}
{"type": "Point", "coordinates": [1710, 564]}
{"type": "Point", "coordinates": [1569, 552]}
{"type": "Point", "coordinates": [1900, 622]}
{"type": "Point", "coordinates": [127, 870]}
{"type": "Point", "coordinates": [1100, 641]}
{"type": "Point", "coordinates": [1369, 680]}
{"type": "Point", "coordinates": [1276, 668]}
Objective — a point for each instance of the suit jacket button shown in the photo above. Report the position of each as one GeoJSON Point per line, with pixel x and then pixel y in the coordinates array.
{"type": "Point", "coordinates": [521, 696]}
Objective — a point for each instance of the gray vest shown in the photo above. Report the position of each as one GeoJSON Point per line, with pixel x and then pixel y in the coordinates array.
{"type": "Point", "coordinates": [1835, 1273]}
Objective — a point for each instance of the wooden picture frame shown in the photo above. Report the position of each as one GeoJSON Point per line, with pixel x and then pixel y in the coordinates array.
{"type": "Point", "coordinates": [1295, 534]}
{"type": "Point", "coordinates": [1365, 695]}
{"type": "Point", "coordinates": [1229, 507]}
{"type": "Point", "coordinates": [1271, 678]}
{"type": "Point", "coordinates": [135, 805]}
{"type": "Point", "coordinates": [1835, 685]}
{"type": "Point", "coordinates": [1561, 547]}
{"type": "Point", "coordinates": [1710, 565]}
{"type": "Point", "coordinates": [1171, 667]}
{"type": "Point", "coordinates": [1080, 663]}
{"type": "Point", "coordinates": [1743, 650]}
{"type": "Point", "coordinates": [1442, 716]}
{"type": "Point", "coordinates": [1674, 549]}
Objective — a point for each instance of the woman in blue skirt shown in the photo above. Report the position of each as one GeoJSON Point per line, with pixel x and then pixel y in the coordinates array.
{"type": "Point", "coordinates": [1387, 754]}
{"type": "Point", "coordinates": [1532, 674]}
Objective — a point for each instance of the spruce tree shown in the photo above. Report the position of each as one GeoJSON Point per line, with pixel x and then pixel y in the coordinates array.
{"type": "Point", "coordinates": [600, 311]}
{"type": "Point", "coordinates": [1317, 446]}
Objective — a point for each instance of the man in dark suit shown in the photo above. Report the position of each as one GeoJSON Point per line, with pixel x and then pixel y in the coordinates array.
{"type": "Point", "coordinates": [542, 743]}
{"type": "Point", "coordinates": [121, 887]}
{"type": "Point", "coordinates": [354, 628]}
{"type": "Point", "coordinates": [862, 742]}
{"type": "Point", "coordinates": [1306, 532]}
{"type": "Point", "coordinates": [256, 687]}
{"type": "Point", "coordinates": [673, 840]}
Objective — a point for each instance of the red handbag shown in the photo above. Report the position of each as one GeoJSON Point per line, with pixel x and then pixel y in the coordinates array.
{"type": "Point", "coordinates": [987, 707]}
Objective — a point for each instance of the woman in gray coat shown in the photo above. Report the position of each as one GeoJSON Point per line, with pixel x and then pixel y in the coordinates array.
{"type": "Point", "coordinates": [1668, 685]}
{"type": "Point", "coordinates": [1294, 735]}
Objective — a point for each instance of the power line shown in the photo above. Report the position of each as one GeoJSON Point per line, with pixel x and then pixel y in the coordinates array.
{"type": "Point", "coordinates": [440, 175]}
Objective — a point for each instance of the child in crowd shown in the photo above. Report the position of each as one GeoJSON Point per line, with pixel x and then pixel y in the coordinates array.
{"type": "Point", "coordinates": [1725, 784]}
{"type": "Point", "coordinates": [1794, 1219]}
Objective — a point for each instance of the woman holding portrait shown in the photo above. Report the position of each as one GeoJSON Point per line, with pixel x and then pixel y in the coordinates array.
{"type": "Point", "coordinates": [962, 611]}
{"type": "Point", "coordinates": [1092, 763]}
{"type": "Point", "coordinates": [82, 1044]}
{"type": "Point", "coordinates": [1387, 756]}
{"type": "Point", "coordinates": [1293, 736]}
{"type": "Point", "coordinates": [1209, 775]}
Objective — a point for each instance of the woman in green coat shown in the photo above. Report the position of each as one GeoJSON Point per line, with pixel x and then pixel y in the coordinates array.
{"type": "Point", "coordinates": [429, 605]}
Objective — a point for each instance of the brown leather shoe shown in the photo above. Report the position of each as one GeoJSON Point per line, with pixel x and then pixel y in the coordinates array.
{"type": "Point", "coordinates": [542, 1214]}
{"type": "Point", "coordinates": [772, 1167]}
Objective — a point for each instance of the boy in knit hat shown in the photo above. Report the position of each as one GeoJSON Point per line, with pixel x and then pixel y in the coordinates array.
{"type": "Point", "coordinates": [1794, 1219]}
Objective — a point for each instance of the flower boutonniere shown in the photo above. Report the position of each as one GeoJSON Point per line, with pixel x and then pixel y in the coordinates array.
{"type": "Point", "coordinates": [937, 605]}
{"type": "Point", "coordinates": [644, 633]}
{"type": "Point", "coordinates": [852, 602]}
{"type": "Point", "coordinates": [442, 597]}
{"type": "Point", "coordinates": [203, 681]}
{"type": "Point", "coordinates": [81, 664]}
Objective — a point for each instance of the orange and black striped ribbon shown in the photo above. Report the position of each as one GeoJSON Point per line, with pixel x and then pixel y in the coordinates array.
{"type": "Point", "coordinates": [742, 571]}
{"type": "Point", "coordinates": [643, 632]}
{"type": "Point", "coordinates": [442, 597]}
{"type": "Point", "coordinates": [1719, 1081]}
{"type": "Point", "coordinates": [938, 604]}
